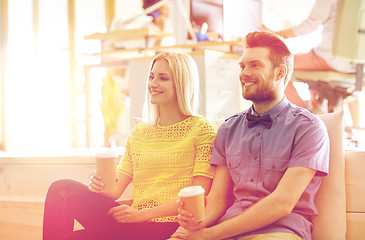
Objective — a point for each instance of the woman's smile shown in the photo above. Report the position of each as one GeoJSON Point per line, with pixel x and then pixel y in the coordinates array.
{"type": "Point", "coordinates": [154, 92]}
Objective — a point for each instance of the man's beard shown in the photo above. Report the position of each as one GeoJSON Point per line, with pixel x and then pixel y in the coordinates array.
{"type": "Point", "coordinates": [264, 93]}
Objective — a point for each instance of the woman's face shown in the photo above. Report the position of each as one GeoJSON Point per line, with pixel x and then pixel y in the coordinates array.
{"type": "Point", "coordinates": [161, 85]}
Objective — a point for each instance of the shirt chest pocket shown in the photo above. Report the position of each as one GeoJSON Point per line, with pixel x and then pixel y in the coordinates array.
{"type": "Point", "coordinates": [273, 171]}
{"type": "Point", "coordinates": [236, 167]}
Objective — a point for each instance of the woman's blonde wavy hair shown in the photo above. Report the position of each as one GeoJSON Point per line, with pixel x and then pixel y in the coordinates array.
{"type": "Point", "coordinates": [186, 78]}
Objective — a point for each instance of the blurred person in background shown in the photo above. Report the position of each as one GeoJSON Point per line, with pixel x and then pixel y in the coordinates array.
{"type": "Point", "coordinates": [320, 57]}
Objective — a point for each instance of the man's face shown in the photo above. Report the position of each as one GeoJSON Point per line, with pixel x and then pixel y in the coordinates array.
{"type": "Point", "coordinates": [257, 75]}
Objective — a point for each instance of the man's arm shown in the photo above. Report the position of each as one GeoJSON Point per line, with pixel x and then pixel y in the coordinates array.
{"type": "Point", "coordinates": [220, 197]}
{"type": "Point", "coordinates": [268, 210]}
{"type": "Point", "coordinates": [271, 208]}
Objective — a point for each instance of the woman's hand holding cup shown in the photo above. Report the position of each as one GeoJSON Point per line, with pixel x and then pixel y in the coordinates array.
{"type": "Point", "coordinates": [96, 184]}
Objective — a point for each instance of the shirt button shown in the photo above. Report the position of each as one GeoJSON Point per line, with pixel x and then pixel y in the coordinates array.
{"type": "Point", "coordinates": [273, 167]}
{"type": "Point", "coordinates": [251, 180]}
{"type": "Point", "coordinates": [258, 134]}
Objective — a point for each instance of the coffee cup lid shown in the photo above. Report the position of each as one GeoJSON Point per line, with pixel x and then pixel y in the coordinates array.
{"type": "Point", "coordinates": [191, 191]}
{"type": "Point", "coordinates": [106, 154]}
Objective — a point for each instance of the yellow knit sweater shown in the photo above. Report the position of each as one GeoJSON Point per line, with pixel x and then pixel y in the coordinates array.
{"type": "Point", "coordinates": [162, 160]}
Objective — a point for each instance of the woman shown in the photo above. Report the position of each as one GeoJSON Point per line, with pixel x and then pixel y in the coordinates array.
{"type": "Point", "coordinates": [169, 150]}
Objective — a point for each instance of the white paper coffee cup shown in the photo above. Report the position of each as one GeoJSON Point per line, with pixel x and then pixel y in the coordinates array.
{"type": "Point", "coordinates": [193, 199]}
{"type": "Point", "coordinates": [106, 167]}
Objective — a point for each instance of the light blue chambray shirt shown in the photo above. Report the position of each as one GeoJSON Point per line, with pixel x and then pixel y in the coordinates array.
{"type": "Point", "coordinates": [258, 157]}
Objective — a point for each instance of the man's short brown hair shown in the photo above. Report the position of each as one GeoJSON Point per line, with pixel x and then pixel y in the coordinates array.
{"type": "Point", "coordinates": [279, 51]}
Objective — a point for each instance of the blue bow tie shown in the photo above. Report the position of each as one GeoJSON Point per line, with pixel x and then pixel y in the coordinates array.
{"type": "Point", "coordinates": [253, 120]}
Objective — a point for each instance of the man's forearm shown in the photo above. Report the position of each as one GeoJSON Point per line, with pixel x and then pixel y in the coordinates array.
{"type": "Point", "coordinates": [261, 214]}
{"type": "Point", "coordinates": [215, 209]}
{"type": "Point", "coordinates": [278, 204]}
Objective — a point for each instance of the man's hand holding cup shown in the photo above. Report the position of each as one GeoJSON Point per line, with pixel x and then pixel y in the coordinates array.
{"type": "Point", "coordinates": [192, 207]}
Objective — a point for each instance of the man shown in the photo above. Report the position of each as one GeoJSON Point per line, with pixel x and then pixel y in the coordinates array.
{"type": "Point", "coordinates": [273, 166]}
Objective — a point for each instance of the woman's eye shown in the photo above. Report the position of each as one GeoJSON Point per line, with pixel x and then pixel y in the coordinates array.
{"type": "Point", "coordinates": [164, 78]}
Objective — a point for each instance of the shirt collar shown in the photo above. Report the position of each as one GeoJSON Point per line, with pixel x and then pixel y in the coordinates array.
{"type": "Point", "coordinates": [275, 111]}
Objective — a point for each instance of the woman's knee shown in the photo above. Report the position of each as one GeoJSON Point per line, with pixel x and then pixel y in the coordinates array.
{"type": "Point", "coordinates": [64, 187]}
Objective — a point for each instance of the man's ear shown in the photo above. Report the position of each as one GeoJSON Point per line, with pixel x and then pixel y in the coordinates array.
{"type": "Point", "coordinates": [282, 71]}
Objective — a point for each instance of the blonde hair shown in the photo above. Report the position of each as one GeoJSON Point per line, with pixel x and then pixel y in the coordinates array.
{"type": "Point", "coordinates": [186, 78]}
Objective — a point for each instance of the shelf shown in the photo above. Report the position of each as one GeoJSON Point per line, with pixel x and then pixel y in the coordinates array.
{"type": "Point", "coordinates": [128, 34]}
{"type": "Point", "coordinates": [234, 47]}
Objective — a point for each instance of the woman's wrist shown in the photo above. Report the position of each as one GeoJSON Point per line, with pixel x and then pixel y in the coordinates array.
{"type": "Point", "coordinates": [146, 214]}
